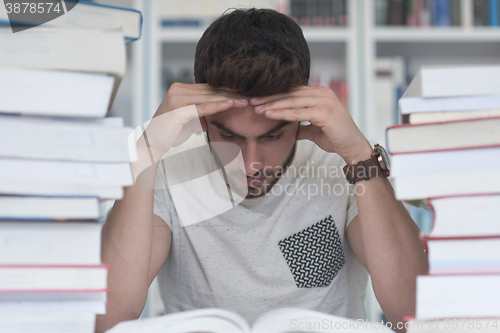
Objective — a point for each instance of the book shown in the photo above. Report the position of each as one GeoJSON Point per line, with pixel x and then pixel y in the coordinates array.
{"type": "Point", "coordinates": [457, 296]}
{"type": "Point", "coordinates": [481, 15]}
{"type": "Point", "coordinates": [49, 243]}
{"type": "Point", "coordinates": [456, 80]}
{"type": "Point", "coordinates": [466, 255]}
{"type": "Point", "coordinates": [473, 133]}
{"type": "Point", "coordinates": [493, 12]}
{"type": "Point", "coordinates": [43, 208]}
{"type": "Point", "coordinates": [20, 187]}
{"type": "Point", "coordinates": [61, 307]}
{"type": "Point", "coordinates": [455, 14]}
{"type": "Point", "coordinates": [444, 173]}
{"type": "Point", "coordinates": [28, 91]}
{"type": "Point", "coordinates": [445, 161]}
{"type": "Point", "coordinates": [434, 117]}
{"type": "Point", "coordinates": [390, 77]}
{"type": "Point", "coordinates": [381, 12]}
{"type": "Point", "coordinates": [421, 186]}
{"type": "Point", "coordinates": [54, 296]}
{"type": "Point", "coordinates": [409, 104]}
{"type": "Point", "coordinates": [397, 12]}
{"type": "Point", "coordinates": [47, 322]}
{"type": "Point", "coordinates": [84, 51]}
{"type": "Point", "coordinates": [441, 13]}
{"type": "Point", "coordinates": [222, 321]}
{"type": "Point", "coordinates": [466, 13]}
{"type": "Point", "coordinates": [66, 172]}
{"type": "Point", "coordinates": [453, 216]}
{"type": "Point", "coordinates": [63, 140]}
{"type": "Point", "coordinates": [53, 278]}
{"type": "Point", "coordinates": [87, 15]}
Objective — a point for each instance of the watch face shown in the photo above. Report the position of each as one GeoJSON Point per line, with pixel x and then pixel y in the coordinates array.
{"type": "Point", "coordinates": [385, 158]}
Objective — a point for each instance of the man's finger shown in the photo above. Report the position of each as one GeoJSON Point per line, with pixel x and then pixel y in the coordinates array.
{"type": "Point", "coordinates": [314, 116]}
{"type": "Point", "coordinates": [207, 109]}
{"type": "Point", "coordinates": [201, 99]}
{"type": "Point", "coordinates": [295, 102]}
{"type": "Point", "coordinates": [302, 91]}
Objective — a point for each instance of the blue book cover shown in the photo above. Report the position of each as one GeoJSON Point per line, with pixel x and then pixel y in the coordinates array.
{"type": "Point", "coordinates": [441, 13]}
{"type": "Point", "coordinates": [493, 12]}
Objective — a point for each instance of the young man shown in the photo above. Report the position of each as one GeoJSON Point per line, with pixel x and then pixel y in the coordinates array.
{"type": "Point", "coordinates": [302, 236]}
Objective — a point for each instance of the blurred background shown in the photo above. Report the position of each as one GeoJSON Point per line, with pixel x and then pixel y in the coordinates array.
{"type": "Point", "coordinates": [366, 51]}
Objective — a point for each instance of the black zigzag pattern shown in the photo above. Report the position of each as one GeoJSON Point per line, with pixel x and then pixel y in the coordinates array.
{"type": "Point", "coordinates": [314, 255]}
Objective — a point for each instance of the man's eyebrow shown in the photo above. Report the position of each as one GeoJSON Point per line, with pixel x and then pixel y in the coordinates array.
{"type": "Point", "coordinates": [223, 128]}
{"type": "Point", "coordinates": [274, 129]}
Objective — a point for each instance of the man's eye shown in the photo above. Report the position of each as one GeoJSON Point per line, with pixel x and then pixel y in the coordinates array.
{"type": "Point", "coordinates": [226, 137]}
{"type": "Point", "coordinates": [275, 137]}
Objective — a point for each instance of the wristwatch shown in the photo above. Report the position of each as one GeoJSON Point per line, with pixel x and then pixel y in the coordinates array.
{"type": "Point", "coordinates": [377, 166]}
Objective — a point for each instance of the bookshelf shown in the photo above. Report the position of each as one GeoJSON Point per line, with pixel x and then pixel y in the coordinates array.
{"type": "Point", "coordinates": [465, 43]}
{"type": "Point", "coordinates": [347, 52]}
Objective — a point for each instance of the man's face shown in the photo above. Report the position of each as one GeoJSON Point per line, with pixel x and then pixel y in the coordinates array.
{"type": "Point", "coordinates": [267, 145]}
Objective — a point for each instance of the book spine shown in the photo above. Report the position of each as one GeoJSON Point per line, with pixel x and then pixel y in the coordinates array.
{"type": "Point", "coordinates": [498, 12]}
{"type": "Point", "coordinates": [324, 11]}
{"type": "Point", "coordinates": [311, 12]}
{"type": "Point", "coordinates": [343, 13]}
{"type": "Point", "coordinates": [481, 16]}
{"type": "Point", "coordinates": [410, 13]}
{"type": "Point", "coordinates": [441, 11]}
{"type": "Point", "coordinates": [455, 13]}
{"type": "Point", "coordinates": [381, 12]}
{"type": "Point", "coordinates": [397, 13]}
{"type": "Point", "coordinates": [294, 10]}
{"type": "Point", "coordinates": [493, 12]}
{"type": "Point", "coordinates": [426, 13]}
{"type": "Point", "coordinates": [466, 12]}
{"type": "Point", "coordinates": [303, 18]}
{"type": "Point", "coordinates": [418, 4]}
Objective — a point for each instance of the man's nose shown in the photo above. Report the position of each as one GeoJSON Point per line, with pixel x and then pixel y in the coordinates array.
{"type": "Point", "coordinates": [252, 158]}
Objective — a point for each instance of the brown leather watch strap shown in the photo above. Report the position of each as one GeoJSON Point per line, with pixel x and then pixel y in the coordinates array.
{"type": "Point", "coordinates": [363, 170]}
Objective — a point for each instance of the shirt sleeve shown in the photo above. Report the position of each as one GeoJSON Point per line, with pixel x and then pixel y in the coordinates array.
{"type": "Point", "coordinates": [162, 200]}
{"type": "Point", "coordinates": [352, 207]}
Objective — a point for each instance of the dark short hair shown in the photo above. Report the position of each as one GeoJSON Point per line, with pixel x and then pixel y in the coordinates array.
{"type": "Point", "coordinates": [257, 52]}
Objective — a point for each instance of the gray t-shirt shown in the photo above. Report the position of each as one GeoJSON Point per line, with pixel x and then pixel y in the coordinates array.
{"type": "Point", "coordinates": [285, 249]}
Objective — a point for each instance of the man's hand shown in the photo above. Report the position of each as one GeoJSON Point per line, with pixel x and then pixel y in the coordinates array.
{"type": "Point", "coordinates": [332, 128]}
{"type": "Point", "coordinates": [180, 114]}
{"type": "Point", "coordinates": [173, 123]}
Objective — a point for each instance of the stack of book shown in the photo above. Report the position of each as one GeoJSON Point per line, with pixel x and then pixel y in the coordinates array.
{"type": "Point", "coordinates": [437, 12]}
{"type": "Point", "coordinates": [449, 154]}
{"type": "Point", "coordinates": [420, 12]}
{"type": "Point", "coordinates": [319, 12]}
{"type": "Point", "coordinates": [59, 159]}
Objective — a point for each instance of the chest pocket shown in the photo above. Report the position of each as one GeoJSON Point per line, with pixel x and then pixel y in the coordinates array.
{"type": "Point", "coordinates": [314, 255]}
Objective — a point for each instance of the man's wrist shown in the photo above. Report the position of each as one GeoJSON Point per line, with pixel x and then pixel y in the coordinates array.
{"type": "Point", "coordinates": [363, 153]}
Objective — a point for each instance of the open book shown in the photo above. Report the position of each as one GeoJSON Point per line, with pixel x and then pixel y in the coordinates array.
{"type": "Point", "coordinates": [224, 321]}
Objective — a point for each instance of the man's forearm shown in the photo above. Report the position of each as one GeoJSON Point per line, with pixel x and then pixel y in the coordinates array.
{"type": "Point", "coordinates": [393, 250]}
{"type": "Point", "coordinates": [126, 248]}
